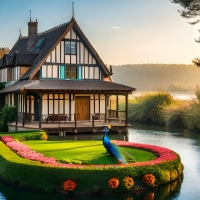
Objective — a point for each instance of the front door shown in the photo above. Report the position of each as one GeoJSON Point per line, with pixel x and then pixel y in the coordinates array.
{"type": "Point", "coordinates": [82, 108]}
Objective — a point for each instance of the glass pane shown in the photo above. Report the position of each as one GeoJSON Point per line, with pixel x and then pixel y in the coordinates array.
{"type": "Point", "coordinates": [73, 72]}
{"type": "Point", "coordinates": [67, 72]}
{"type": "Point", "coordinates": [55, 96]}
{"type": "Point", "coordinates": [61, 107]}
{"type": "Point", "coordinates": [50, 106]}
{"type": "Point", "coordinates": [45, 96]}
{"type": "Point", "coordinates": [55, 106]}
{"type": "Point", "coordinates": [44, 71]}
{"type": "Point", "coordinates": [73, 47]}
{"type": "Point", "coordinates": [67, 47]}
{"type": "Point", "coordinates": [55, 71]}
{"type": "Point", "coordinates": [49, 71]}
{"type": "Point", "coordinates": [44, 107]}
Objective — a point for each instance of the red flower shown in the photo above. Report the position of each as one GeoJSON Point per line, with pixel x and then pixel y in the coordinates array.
{"type": "Point", "coordinates": [113, 183]}
{"type": "Point", "coordinates": [69, 185]}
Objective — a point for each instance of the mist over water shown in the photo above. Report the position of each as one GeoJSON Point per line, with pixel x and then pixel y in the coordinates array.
{"type": "Point", "coordinates": [176, 95]}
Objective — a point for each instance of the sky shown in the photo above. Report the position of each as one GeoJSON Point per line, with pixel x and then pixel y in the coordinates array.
{"type": "Point", "coordinates": [121, 31]}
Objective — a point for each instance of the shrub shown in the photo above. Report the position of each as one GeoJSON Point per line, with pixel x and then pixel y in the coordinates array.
{"type": "Point", "coordinates": [8, 114]}
{"type": "Point", "coordinates": [193, 114]}
{"type": "Point", "coordinates": [148, 107]}
{"type": "Point", "coordinates": [175, 114]}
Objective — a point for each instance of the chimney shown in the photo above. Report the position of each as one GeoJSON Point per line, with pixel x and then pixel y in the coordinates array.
{"type": "Point", "coordinates": [32, 34]}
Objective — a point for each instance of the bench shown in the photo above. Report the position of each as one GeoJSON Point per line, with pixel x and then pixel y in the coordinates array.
{"type": "Point", "coordinates": [57, 117]}
{"type": "Point", "coordinates": [96, 116]}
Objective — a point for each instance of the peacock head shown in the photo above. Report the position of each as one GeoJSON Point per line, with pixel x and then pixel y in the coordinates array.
{"type": "Point", "coordinates": [106, 127]}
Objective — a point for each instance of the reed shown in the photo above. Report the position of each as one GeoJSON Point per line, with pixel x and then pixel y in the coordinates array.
{"type": "Point", "coordinates": [148, 107]}
{"type": "Point", "coordinates": [174, 115]}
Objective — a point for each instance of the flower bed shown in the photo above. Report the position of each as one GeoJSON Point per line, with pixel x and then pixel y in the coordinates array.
{"type": "Point", "coordinates": [81, 178]}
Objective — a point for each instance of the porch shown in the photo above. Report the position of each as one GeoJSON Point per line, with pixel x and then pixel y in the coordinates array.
{"type": "Point", "coordinates": [62, 128]}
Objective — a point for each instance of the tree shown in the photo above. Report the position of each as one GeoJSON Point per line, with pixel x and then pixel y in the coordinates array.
{"type": "Point", "coordinates": [191, 9]}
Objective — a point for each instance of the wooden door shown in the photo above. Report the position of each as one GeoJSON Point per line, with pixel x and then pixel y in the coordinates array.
{"type": "Point", "coordinates": [82, 105]}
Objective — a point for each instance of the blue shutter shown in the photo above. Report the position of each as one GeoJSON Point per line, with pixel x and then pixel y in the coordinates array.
{"type": "Point", "coordinates": [62, 72]}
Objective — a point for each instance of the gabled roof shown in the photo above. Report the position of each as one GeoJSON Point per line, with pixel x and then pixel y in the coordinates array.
{"type": "Point", "coordinates": [52, 37]}
{"type": "Point", "coordinates": [86, 42]}
{"type": "Point", "coordinates": [82, 86]}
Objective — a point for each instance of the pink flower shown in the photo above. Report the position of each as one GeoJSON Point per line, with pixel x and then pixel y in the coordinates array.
{"type": "Point", "coordinates": [163, 154]}
{"type": "Point", "coordinates": [6, 138]}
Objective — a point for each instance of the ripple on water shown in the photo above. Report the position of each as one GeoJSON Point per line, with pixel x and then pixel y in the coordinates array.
{"type": "Point", "coordinates": [186, 145]}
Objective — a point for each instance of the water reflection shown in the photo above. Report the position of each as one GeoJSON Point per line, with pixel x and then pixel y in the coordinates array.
{"type": "Point", "coordinates": [185, 143]}
{"type": "Point", "coordinates": [169, 191]}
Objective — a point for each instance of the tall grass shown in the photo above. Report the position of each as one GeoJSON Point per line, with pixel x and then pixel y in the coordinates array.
{"type": "Point", "coordinates": [162, 108]}
{"type": "Point", "coordinates": [175, 114]}
{"type": "Point", "coordinates": [193, 115]}
{"type": "Point", "coordinates": [148, 107]}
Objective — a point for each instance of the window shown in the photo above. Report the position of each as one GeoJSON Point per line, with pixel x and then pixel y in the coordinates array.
{"type": "Point", "coordinates": [4, 75]}
{"type": "Point", "coordinates": [70, 72]}
{"type": "Point", "coordinates": [16, 73]}
{"type": "Point", "coordinates": [70, 47]}
{"type": "Point", "coordinates": [49, 71]}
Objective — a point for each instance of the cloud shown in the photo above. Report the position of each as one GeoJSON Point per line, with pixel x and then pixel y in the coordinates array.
{"type": "Point", "coordinates": [115, 27]}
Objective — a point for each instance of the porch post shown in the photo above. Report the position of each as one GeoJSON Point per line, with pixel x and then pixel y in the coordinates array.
{"type": "Point", "coordinates": [106, 107]}
{"type": "Point", "coordinates": [117, 105]}
{"type": "Point", "coordinates": [126, 109]}
{"type": "Point", "coordinates": [16, 104]}
{"type": "Point", "coordinates": [40, 110]}
{"type": "Point", "coordinates": [24, 108]}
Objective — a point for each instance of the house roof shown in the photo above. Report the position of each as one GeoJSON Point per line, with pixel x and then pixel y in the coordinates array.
{"type": "Point", "coordinates": [83, 86]}
{"type": "Point", "coordinates": [52, 38]}
{"type": "Point", "coordinates": [14, 59]}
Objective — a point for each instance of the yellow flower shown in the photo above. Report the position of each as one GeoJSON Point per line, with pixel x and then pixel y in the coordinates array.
{"type": "Point", "coordinates": [128, 182]}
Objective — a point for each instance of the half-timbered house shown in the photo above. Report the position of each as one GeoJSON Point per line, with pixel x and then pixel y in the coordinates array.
{"type": "Point", "coordinates": [58, 81]}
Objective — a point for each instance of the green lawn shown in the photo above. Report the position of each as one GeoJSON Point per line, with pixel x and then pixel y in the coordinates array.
{"type": "Point", "coordinates": [85, 152]}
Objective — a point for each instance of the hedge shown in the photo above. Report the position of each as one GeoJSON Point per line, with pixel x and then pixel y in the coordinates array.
{"type": "Point", "coordinates": [35, 175]}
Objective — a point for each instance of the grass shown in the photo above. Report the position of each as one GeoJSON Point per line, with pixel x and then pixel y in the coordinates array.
{"type": "Point", "coordinates": [85, 152]}
{"type": "Point", "coordinates": [35, 175]}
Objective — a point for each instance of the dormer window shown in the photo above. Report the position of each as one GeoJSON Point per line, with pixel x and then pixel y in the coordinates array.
{"type": "Point", "coordinates": [70, 47]}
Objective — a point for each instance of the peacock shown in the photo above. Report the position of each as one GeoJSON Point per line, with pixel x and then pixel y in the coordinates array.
{"type": "Point", "coordinates": [112, 149]}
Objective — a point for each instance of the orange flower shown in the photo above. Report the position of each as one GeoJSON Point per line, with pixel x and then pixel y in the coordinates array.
{"type": "Point", "coordinates": [113, 183]}
{"type": "Point", "coordinates": [149, 179]}
{"type": "Point", "coordinates": [69, 185]}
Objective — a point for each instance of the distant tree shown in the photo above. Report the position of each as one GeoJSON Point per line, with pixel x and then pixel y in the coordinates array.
{"type": "Point", "coordinates": [191, 9]}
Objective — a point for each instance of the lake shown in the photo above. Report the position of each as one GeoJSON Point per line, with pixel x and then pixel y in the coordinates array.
{"type": "Point", "coordinates": [185, 143]}
{"type": "Point", "coordinates": [176, 95]}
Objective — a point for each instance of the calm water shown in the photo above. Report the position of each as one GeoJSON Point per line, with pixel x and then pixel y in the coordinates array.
{"type": "Point", "coordinates": [183, 142]}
